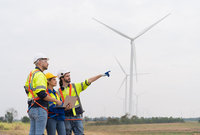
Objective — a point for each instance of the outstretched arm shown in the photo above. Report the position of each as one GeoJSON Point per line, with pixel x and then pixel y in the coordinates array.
{"type": "Point", "coordinates": [92, 79]}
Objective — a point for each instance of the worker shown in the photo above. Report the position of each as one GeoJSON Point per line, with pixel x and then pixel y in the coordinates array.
{"type": "Point", "coordinates": [56, 116]}
{"type": "Point", "coordinates": [73, 121]}
{"type": "Point", "coordinates": [35, 88]}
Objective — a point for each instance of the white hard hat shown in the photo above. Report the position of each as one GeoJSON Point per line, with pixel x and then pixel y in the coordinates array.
{"type": "Point", "coordinates": [62, 72]}
{"type": "Point", "coordinates": [39, 56]}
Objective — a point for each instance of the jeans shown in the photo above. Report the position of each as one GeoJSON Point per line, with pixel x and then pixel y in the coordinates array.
{"type": "Point", "coordinates": [74, 125]}
{"type": "Point", "coordinates": [38, 120]}
{"type": "Point", "coordinates": [53, 125]}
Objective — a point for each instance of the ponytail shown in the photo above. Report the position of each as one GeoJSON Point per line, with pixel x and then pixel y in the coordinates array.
{"type": "Point", "coordinates": [61, 84]}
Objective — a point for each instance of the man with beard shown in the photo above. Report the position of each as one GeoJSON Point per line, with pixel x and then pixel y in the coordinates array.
{"type": "Point", "coordinates": [73, 121]}
{"type": "Point", "coordinates": [35, 88]}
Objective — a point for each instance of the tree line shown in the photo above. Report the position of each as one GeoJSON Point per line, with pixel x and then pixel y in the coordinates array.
{"type": "Point", "coordinates": [10, 116]}
{"type": "Point", "coordinates": [126, 119]}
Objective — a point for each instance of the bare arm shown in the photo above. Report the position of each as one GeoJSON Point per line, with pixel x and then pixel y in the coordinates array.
{"type": "Point", "coordinates": [49, 98]}
{"type": "Point", "coordinates": [92, 79]}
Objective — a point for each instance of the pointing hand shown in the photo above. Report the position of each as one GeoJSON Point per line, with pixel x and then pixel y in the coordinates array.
{"type": "Point", "coordinates": [107, 74]}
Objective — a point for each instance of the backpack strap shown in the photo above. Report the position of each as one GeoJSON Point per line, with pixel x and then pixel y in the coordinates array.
{"type": "Point", "coordinates": [73, 85]}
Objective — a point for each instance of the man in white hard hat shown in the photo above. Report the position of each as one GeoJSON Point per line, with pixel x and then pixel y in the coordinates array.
{"type": "Point", "coordinates": [35, 88]}
{"type": "Point", "coordinates": [73, 121]}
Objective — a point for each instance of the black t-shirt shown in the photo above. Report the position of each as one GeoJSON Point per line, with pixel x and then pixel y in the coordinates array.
{"type": "Point", "coordinates": [41, 95]}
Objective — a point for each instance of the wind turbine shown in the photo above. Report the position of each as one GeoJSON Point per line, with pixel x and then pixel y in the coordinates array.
{"type": "Point", "coordinates": [125, 81]}
{"type": "Point", "coordinates": [133, 53]}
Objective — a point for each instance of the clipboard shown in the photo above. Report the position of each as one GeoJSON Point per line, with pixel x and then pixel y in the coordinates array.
{"type": "Point", "coordinates": [68, 99]}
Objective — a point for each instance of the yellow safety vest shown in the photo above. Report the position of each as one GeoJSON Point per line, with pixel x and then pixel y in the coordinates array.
{"type": "Point", "coordinates": [79, 88]}
{"type": "Point", "coordinates": [53, 96]}
{"type": "Point", "coordinates": [38, 83]}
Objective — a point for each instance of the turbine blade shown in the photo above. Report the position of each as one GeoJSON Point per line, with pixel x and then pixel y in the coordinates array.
{"type": "Point", "coordinates": [120, 66]}
{"type": "Point", "coordinates": [148, 28]}
{"type": "Point", "coordinates": [118, 32]}
{"type": "Point", "coordinates": [121, 84]}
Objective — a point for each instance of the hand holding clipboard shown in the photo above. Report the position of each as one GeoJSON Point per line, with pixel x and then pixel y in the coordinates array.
{"type": "Point", "coordinates": [69, 102]}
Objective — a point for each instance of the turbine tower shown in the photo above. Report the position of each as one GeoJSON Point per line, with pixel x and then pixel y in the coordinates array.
{"type": "Point", "coordinates": [137, 102]}
{"type": "Point", "coordinates": [133, 54]}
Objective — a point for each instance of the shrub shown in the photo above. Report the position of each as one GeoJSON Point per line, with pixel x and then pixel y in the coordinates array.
{"type": "Point", "coordinates": [25, 119]}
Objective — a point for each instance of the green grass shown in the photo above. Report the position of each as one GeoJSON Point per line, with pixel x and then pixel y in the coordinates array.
{"type": "Point", "coordinates": [147, 129]}
{"type": "Point", "coordinates": [16, 128]}
{"type": "Point", "coordinates": [188, 128]}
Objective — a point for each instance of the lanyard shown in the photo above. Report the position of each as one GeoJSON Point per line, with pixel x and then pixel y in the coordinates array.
{"type": "Point", "coordinates": [70, 90]}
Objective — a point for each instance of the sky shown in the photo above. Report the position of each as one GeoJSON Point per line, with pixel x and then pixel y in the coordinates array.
{"type": "Point", "coordinates": [65, 32]}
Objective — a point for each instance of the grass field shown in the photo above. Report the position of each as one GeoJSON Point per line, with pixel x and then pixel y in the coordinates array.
{"type": "Point", "coordinates": [188, 128]}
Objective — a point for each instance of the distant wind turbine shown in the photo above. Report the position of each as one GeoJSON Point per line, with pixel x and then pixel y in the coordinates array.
{"type": "Point", "coordinates": [137, 102]}
{"type": "Point", "coordinates": [133, 53]}
{"type": "Point", "coordinates": [125, 81]}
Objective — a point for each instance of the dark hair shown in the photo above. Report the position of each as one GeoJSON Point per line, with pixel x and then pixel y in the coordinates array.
{"type": "Point", "coordinates": [61, 83]}
{"type": "Point", "coordinates": [48, 80]}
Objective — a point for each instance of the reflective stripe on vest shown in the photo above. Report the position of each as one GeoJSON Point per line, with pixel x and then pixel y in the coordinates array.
{"type": "Point", "coordinates": [82, 86]}
{"type": "Point", "coordinates": [38, 87]}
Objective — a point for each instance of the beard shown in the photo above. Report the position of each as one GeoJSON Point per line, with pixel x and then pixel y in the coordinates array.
{"type": "Point", "coordinates": [45, 67]}
{"type": "Point", "coordinates": [67, 81]}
